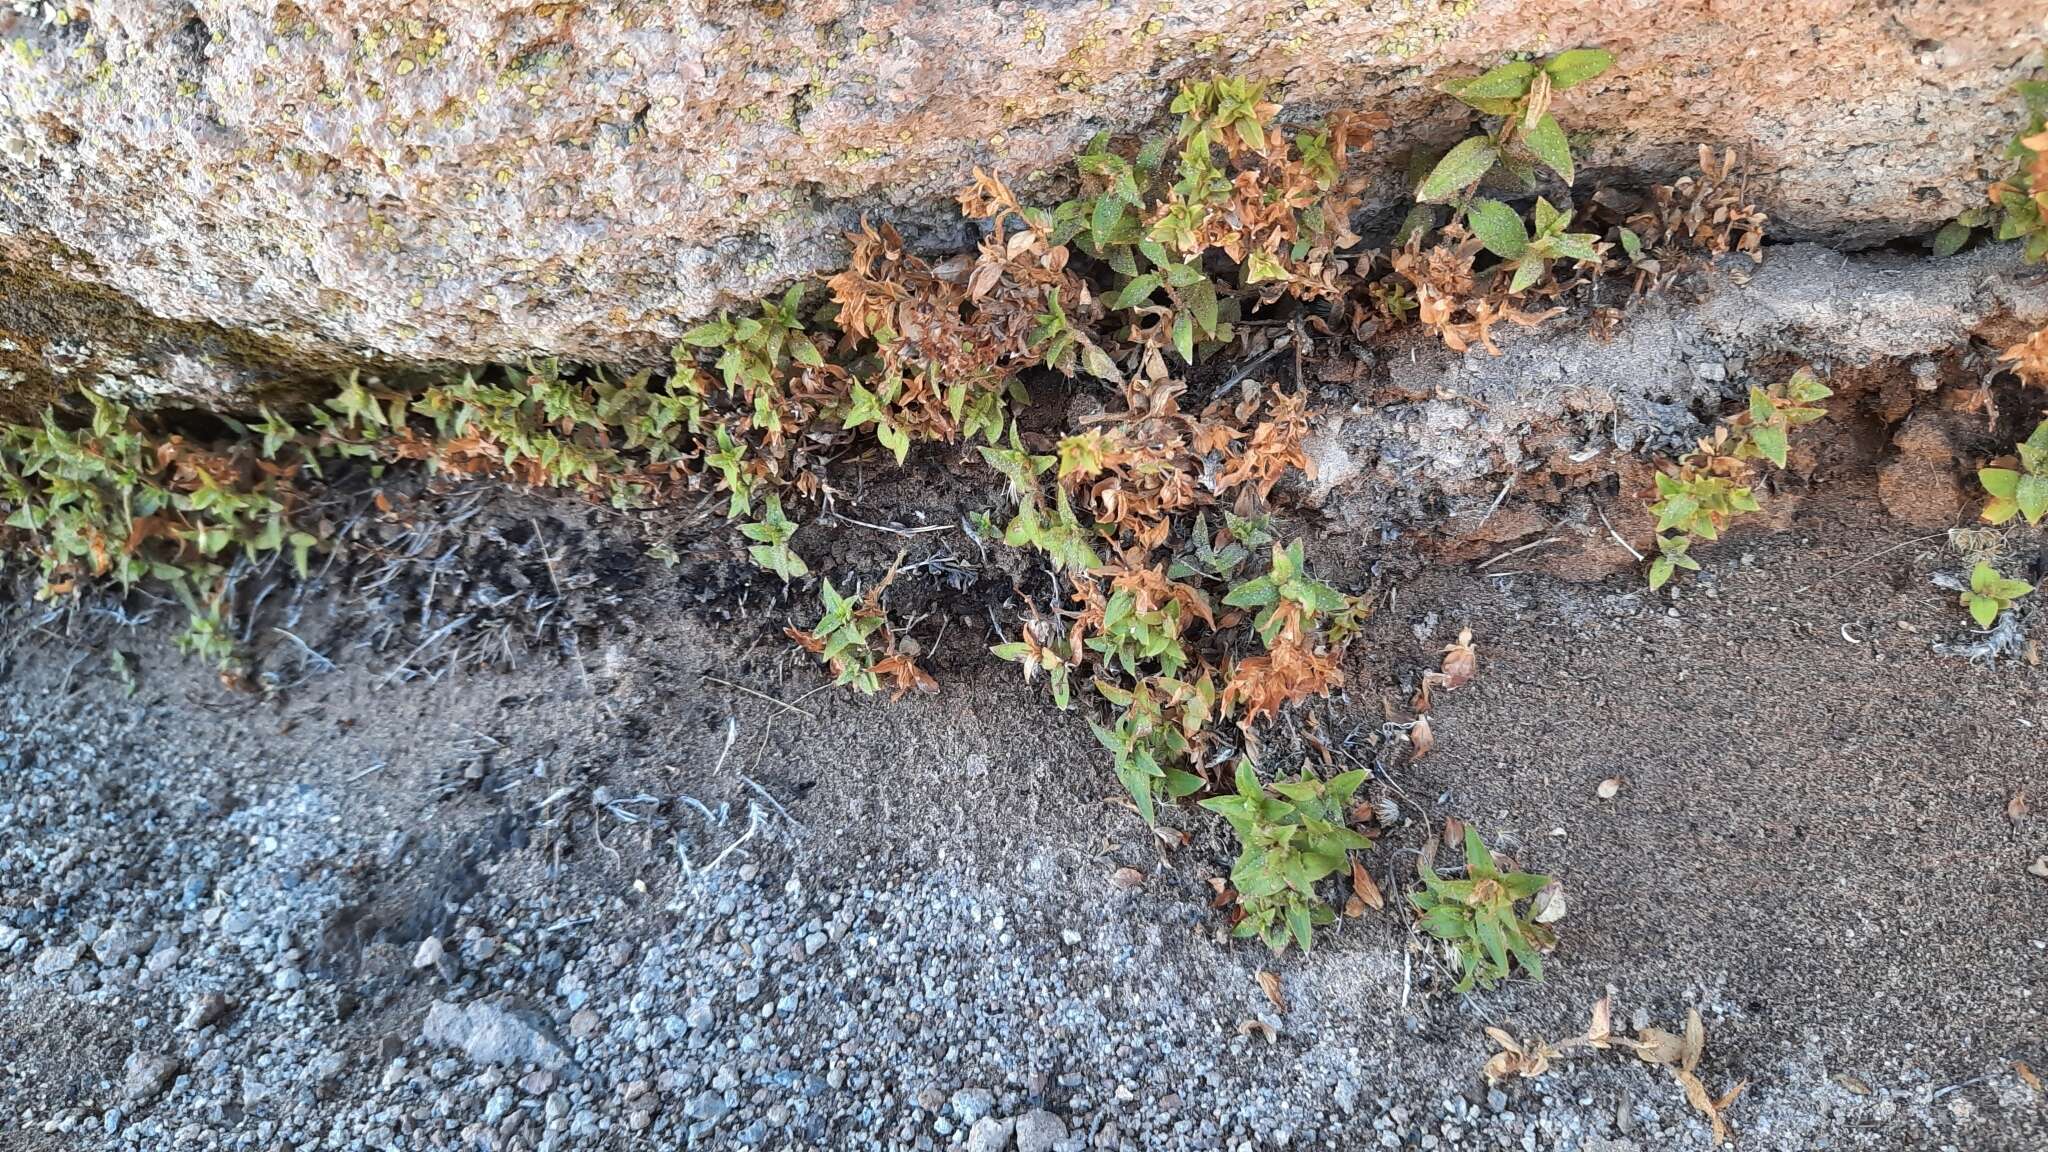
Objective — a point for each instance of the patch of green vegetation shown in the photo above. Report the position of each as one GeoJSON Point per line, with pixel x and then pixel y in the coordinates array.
{"type": "Point", "coordinates": [105, 498]}
{"type": "Point", "coordinates": [1480, 919]}
{"type": "Point", "coordinates": [2021, 489]}
{"type": "Point", "coordinates": [1292, 835]}
{"type": "Point", "coordinates": [1697, 499]}
{"type": "Point", "coordinates": [2014, 208]}
{"type": "Point", "coordinates": [1217, 234]}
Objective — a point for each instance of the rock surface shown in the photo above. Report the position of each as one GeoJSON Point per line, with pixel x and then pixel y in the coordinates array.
{"type": "Point", "coordinates": [208, 199]}
{"type": "Point", "coordinates": [497, 1033]}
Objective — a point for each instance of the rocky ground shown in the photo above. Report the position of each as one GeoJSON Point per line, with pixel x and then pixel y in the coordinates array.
{"type": "Point", "coordinates": [667, 890]}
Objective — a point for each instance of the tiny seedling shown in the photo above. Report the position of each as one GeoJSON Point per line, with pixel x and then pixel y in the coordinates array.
{"type": "Point", "coordinates": [1990, 593]}
{"type": "Point", "coordinates": [854, 641]}
{"type": "Point", "coordinates": [1501, 230]}
{"type": "Point", "coordinates": [1291, 836]}
{"type": "Point", "coordinates": [1671, 556]}
{"type": "Point", "coordinates": [2021, 490]}
{"type": "Point", "coordinates": [1477, 917]}
{"type": "Point", "coordinates": [773, 533]}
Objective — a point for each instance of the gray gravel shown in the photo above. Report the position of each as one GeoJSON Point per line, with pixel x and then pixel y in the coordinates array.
{"type": "Point", "coordinates": [201, 949]}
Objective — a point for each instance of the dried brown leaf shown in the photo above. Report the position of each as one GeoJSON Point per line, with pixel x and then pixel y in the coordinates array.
{"type": "Point", "coordinates": [1364, 888]}
{"type": "Point", "coordinates": [1421, 737]}
{"type": "Point", "coordinates": [1270, 985]}
{"type": "Point", "coordinates": [1127, 878]}
{"type": "Point", "coordinates": [1656, 1046]}
{"type": "Point", "coordinates": [2032, 1079]}
{"type": "Point", "coordinates": [1461, 662]}
{"type": "Point", "coordinates": [1601, 1031]}
{"type": "Point", "coordinates": [1609, 788]}
{"type": "Point", "coordinates": [1695, 1040]}
{"type": "Point", "coordinates": [1454, 832]}
{"type": "Point", "coordinates": [1516, 1059]}
{"type": "Point", "coordinates": [2016, 808]}
{"type": "Point", "coordinates": [1247, 1027]}
{"type": "Point", "coordinates": [1708, 1106]}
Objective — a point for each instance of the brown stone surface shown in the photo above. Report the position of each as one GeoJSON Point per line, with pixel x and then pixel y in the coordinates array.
{"type": "Point", "coordinates": [294, 185]}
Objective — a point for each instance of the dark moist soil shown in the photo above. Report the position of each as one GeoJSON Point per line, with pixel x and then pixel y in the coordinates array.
{"type": "Point", "coordinates": [1810, 842]}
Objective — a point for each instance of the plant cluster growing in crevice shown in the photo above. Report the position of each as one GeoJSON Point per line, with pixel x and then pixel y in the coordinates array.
{"type": "Point", "coordinates": [1698, 497]}
{"type": "Point", "coordinates": [1167, 610]}
{"type": "Point", "coordinates": [2016, 204]}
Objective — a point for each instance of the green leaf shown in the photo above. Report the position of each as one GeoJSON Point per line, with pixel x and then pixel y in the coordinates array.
{"type": "Point", "coordinates": [1951, 238]}
{"type": "Point", "coordinates": [1184, 336]}
{"type": "Point", "coordinates": [2032, 496]}
{"type": "Point", "coordinates": [1577, 65]}
{"type": "Point", "coordinates": [1109, 211]}
{"type": "Point", "coordinates": [1478, 860]}
{"type": "Point", "coordinates": [1420, 218]}
{"type": "Point", "coordinates": [709, 335]}
{"type": "Point", "coordinates": [1982, 608]}
{"type": "Point", "coordinates": [1547, 141]}
{"type": "Point", "coordinates": [1660, 572]}
{"type": "Point", "coordinates": [1506, 82]}
{"type": "Point", "coordinates": [2003, 482]}
{"type": "Point", "coordinates": [1201, 297]}
{"type": "Point", "coordinates": [1098, 364]}
{"type": "Point", "coordinates": [1527, 273]}
{"type": "Point", "coordinates": [1137, 291]}
{"type": "Point", "coordinates": [1460, 168]}
{"type": "Point", "coordinates": [1298, 924]}
{"type": "Point", "coordinates": [1772, 441]}
{"type": "Point", "coordinates": [1499, 227]}
{"type": "Point", "coordinates": [1576, 246]}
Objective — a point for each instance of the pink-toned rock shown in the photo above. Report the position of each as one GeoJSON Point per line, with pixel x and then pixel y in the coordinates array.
{"type": "Point", "coordinates": [197, 196]}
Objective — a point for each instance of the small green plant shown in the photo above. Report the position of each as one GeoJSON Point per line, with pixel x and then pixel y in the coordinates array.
{"type": "Point", "coordinates": [1990, 593]}
{"type": "Point", "coordinates": [1287, 597]}
{"type": "Point", "coordinates": [1477, 916]}
{"type": "Point", "coordinates": [1242, 534]}
{"type": "Point", "coordinates": [2021, 490]}
{"type": "Point", "coordinates": [1698, 498]}
{"type": "Point", "coordinates": [853, 639]}
{"type": "Point", "coordinates": [1517, 97]}
{"type": "Point", "coordinates": [1149, 739]}
{"type": "Point", "coordinates": [1671, 556]}
{"type": "Point", "coordinates": [1291, 837]}
{"type": "Point", "coordinates": [1500, 229]}
{"type": "Point", "coordinates": [2017, 205]}
{"type": "Point", "coordinates": [846, 640]}
{"type": "Point", "coordinates": [1132, 638]}
{"type": "Point", "coordinates": [772, 553]}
